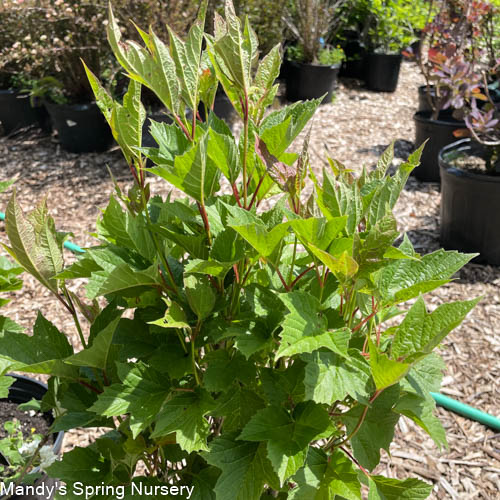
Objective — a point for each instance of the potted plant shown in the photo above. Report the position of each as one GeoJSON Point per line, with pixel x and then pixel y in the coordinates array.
{"type": "Point", "coordinates": [312, 64]}
{"type": "Point", "coordinates": [450, 62]}
{"type": "Point", "coordinates": [18, 65]}
{"type": "Point", "coordinates": [470, 185]}
{"type": "Point", "coordinates": [27, 445]}
{"type": "Point", "coordinates": [388, 31]}
{"type": "Point", "coordinates": [236, 352]}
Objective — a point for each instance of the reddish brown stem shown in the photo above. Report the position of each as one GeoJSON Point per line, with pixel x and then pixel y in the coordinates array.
{"type": "Point", "coordinates": [236, 194]}
{"type": "Point", "coordinates": [105, 377]}
{"type": "Point", "coordinates": [89, 386]}
{"type": "Point", "coordinates": [287, 288]}
{"type": "Point", "coordinates": [300, 276]}
{"type": "Point", "coordinates": [134, 174]}
{"type": "Point", "coordinates": [235, 267]}
{"type": "Point", "coordinates": [256, 191]}
{"type": "Point", "coordinates": [361, 468]}
{"type": "Point", "coordinates": [204, 216]}
{"type": "Point", "coordinates": [214, 283]}
{"type": "Point", "coordinates": [363, 321]}
{"type": "Point", "coordinates": [183, 127]}
{"type": "Point", "coordinates": [363, 352]}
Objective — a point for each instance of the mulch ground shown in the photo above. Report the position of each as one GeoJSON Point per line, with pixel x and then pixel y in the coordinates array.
{"type": "Point", "coordinates": [354, 129]}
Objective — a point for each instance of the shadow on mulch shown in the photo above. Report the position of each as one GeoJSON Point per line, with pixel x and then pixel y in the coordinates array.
{"type": "Point", "coordinates": [402, 149]}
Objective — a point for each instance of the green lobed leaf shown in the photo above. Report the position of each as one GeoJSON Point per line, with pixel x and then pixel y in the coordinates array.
{"type": "Point", "coordinates": [402, 280]}
{"type": "Point", "coordinates": [193, 172]}
{"type": "Point", "coordinates": [326, 477]}
{"type": "Point", "coordinates": [237, 405]}
{"type": "Point", "coordinates": [244, 465]}
{"type": "Point", "coordinates": [318, 231]}
{"type": "Point", "coordinates": [329, 377]}
{"type": "Point", "coordinates": [384, 488]}
{"type": "Point", "coordinates": [385, 371]}
{"type": "Point", "coordinates": [140, 394]}
{"type": "Point", "coordinates": [185, 414]}
{"type": "Point", "coordinates": [420, 332]}
{"type": "Point", "coordinates": [96, 355]}
{"type": "Point", "coordinates": [280, 128]}
{"type": "Point", "coordinates": [288, 435]}
{"type": "Point", "coordinates": [264, 241]}
{"type": "Point", "coordinates": [222, 370]}
{"type": "Point", "coordinates": [305, 329]}
{"type": "Point", "coordinates": [174, 316]}
{"type": "Point", "coordinates": [420, 410]}
{"type": "Point", "coordinates": [200, 295]}
{"type": "Point", "coordinates": [377, 429]}
{"type": "Point", "coordinates": [43, 352]}
{"type": "Point", "coordinates": [343, 267]}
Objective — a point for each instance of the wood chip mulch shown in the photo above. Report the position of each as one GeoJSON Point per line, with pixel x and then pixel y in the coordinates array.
{"type": "Point", "coordinates": [354, 129]}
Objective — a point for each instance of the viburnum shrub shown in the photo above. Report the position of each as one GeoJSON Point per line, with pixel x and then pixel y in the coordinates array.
{"type": "Point", "coordinates": [243, 350]}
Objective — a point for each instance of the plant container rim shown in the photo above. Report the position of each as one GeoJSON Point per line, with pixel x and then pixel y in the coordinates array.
{"type": "Point", "coordinates": [397, 55]}
{"type": "Point", "coordinates": [17, 92]}
{"type": "Point", "coordinates": [463, 145]}
{"type": "Point", "coordinates": [57, 445]}
{"type": "Point", "coordinates": [445, 120]}
{"type": "Point", "coordinates": [79, 106]}
{"type": "Point", "coordinates": [316, 65]}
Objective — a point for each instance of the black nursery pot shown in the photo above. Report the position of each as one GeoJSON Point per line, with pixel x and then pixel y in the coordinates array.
{"type": "Point", "coordinates": [25, 389]}
{"type": "Point", "coordinates": [469, 204]}
{"type": "Point", "coordinates": [81, 128]}
{"type": "Point", "coordinates": [223, 108]}
{"type": "Point", "coordinates": [16, 112]}
{"type": "Point", "coordinates": [310, 81]}
{"type": "Point", "coordinates": [440, 134]}
{"type": "Point", "coordinates": [354, 64]}
{"type": "Point", "coordinates": [382, 71]}
{"type": "Point", "coordinates": [423, 97]}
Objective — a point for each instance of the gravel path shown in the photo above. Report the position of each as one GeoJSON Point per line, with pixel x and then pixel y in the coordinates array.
{"type": "Point", "coordinates": [355, 129]}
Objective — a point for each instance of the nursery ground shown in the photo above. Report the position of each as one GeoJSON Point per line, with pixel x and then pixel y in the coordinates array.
{"type": "Point", "coordinates": [354, 129]}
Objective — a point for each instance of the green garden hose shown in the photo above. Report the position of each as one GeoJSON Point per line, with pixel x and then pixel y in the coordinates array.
{"type": "Point", "coordinates": [467, 411]}
{"type": "Point", "coordinates": [444, 401]}
{"type": "Point", "coordinates": [68, 244]}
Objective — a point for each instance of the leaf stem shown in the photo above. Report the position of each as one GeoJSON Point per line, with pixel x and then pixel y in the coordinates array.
{"type": "Point", "coordinates": [193, 358]}
{"type": "Point", "coordinates": [183, 127]}
{"type": "Point", "coordinates": [300, 276]}
{"type": "Point", "coordinates": [89, 386]}
{"type": "Point", "coordinates": [74, 314]}
{"type": "Point", "coordinates": [245, 149]}
{"type": "Point", "coordinates": [287, 288]}
{"type": "Point", "coordinates": [236, 194]}
{"type": "Point", "coordinates": [363, 321]}
{"type": "Point", "coordinates": [256, 191]}
{"type": "Point", "coordinates": [204, 216]}
{"type": "Point", "coordinates": [292, 265]}
{"type": "Point", "coordinates": [361, 468]}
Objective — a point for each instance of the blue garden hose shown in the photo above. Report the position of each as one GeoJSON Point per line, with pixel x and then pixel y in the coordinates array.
{"type": "Point", "coordinates": [444, 401]}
